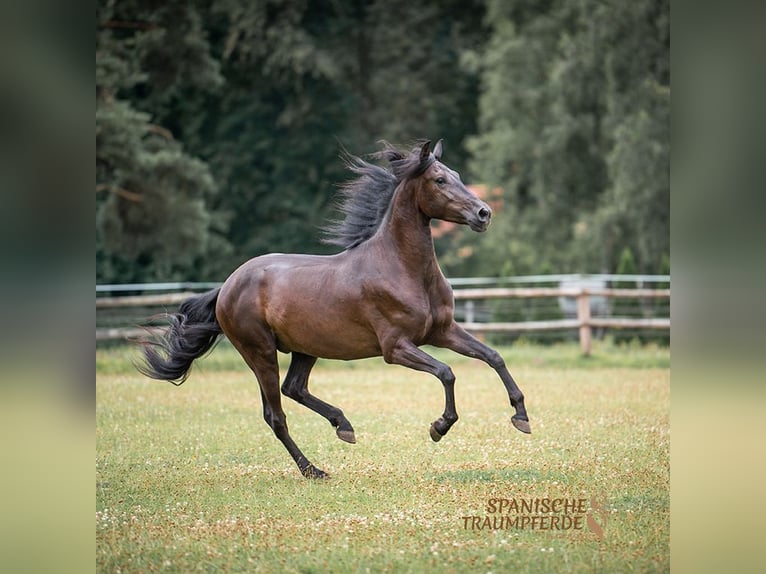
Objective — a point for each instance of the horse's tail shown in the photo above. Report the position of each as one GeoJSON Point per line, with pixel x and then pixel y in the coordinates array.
{"type": "Point", "coordinates": [193, 331]}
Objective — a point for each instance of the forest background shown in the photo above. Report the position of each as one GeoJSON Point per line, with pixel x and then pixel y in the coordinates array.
{"type": "Point", "coordinates": [219, 126]}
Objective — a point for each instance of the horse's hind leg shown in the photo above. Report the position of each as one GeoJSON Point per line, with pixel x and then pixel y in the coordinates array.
{"type": "Point", "coordinates": [296, 386]}
{"type": "Point", "coordinates": [264, 364]}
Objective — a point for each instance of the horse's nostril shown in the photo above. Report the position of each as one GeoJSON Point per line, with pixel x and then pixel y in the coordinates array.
{"type": "Point", "coordinates": [484, 214]}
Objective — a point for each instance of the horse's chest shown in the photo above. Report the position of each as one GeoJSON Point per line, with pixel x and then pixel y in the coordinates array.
{"type": "Point", "coordinates": [409, 309]}
{"type": "Point", "coordinates": [435, 315]}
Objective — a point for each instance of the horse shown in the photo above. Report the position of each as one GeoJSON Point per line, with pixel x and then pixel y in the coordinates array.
{"type": "Point", "coordinates": [383, 295]}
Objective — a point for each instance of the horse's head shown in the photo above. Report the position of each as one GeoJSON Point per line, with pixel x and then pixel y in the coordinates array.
{"type": "Point", "coordinates": [442, 195]}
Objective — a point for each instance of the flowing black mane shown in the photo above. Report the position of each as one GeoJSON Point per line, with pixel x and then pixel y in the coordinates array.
{"type": "Point", "coordinates": [365, 200]}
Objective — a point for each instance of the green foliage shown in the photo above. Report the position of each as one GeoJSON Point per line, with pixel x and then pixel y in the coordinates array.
{"type": "Point", "coordinates": [574, 126]}
{"type": "Point", "coordinates": [153, 220]}
{"type": "Point", "coordinates": [626, 266]}
{"type": "Point", "coordinates": [219, 125]}
{"type": "Point", "coordinates": [626, 307]}
{"type": "Point", "coordinates": [639, 307]}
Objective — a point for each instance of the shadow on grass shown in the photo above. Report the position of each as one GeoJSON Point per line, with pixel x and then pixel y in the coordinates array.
{"type": "Point", "coordinates": [503, 475]}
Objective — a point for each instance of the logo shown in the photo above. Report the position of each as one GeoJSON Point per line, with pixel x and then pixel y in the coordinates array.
{"type": "Point", "coordinates": [545, 514]}
{"type": "Point", "coordinates": [597, 511]}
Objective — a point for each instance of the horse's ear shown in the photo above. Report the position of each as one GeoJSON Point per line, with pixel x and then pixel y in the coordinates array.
{"type": "Point", "coordinates": [424, 151]}
{"type": "Point", "coordinates": [438, 150]}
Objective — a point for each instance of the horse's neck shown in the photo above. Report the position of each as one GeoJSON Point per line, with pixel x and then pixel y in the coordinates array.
{"type": "Point", "coordinates": [407, 230]}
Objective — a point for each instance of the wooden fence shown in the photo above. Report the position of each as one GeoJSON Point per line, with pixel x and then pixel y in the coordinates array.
{"type": "Point", "coordinates": [584, 323]}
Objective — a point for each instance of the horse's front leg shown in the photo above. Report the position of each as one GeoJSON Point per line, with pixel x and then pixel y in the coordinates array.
{"type": "Point", "coordinates": [404, 352]}
{"type": "Point", "coordinates": [457, 339]}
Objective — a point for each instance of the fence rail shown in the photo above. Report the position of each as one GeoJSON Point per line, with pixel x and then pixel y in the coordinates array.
{"type": "Point", "coordinates": [584, 322]}
{"type": "Point", "coordinates": [143, 300]}
{"type": "Point", "coordinates": [532, 292]}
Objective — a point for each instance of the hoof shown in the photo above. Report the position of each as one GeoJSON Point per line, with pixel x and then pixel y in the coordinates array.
{"type": "Point", "coordinates": [435, 435]}
{"type": "Point", "coordinates": [522, 425]}
{"type": "Point", "coordinates": [346, 435]}
{"type": "Point", "coordinates": [314, 472]}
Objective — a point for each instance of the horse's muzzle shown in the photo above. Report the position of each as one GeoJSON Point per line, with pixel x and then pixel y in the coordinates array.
{"type": "Point", "coordinates": [481, 218]}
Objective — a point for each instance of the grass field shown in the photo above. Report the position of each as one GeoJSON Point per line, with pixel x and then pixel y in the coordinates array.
{"type": "Point", "coordinates": [191, 478]}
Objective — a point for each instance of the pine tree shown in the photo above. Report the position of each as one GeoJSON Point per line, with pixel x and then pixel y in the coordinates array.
{"type": "Point", "coordinates": [153, 220]}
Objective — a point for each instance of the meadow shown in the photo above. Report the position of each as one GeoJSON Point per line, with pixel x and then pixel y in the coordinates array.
{"type": "Point", "coordinates": [191, 479]}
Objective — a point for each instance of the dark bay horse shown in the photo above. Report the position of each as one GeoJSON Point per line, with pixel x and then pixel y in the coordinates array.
{"type": "Point", "coordinates": [384, 294]}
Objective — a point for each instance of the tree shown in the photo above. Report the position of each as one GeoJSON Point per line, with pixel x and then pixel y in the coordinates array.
{"type": "Point", "coordinates": [573, 125]}
{"type": "Point", "coordinates": [219, 125]}
{"type": "Point", "coordinates": [220, 122]}
{"type": "Point", "coordinates": [152, 215]}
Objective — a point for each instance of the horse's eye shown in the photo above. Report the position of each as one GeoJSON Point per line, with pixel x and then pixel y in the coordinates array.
{"type": "Point", "coordinates": [440, 181]}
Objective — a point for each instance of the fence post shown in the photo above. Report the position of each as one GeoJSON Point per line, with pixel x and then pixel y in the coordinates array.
{"type": "Point", "coordinates": [583, 316]}
{"type": "Point", "coordinates": [469, 314]}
